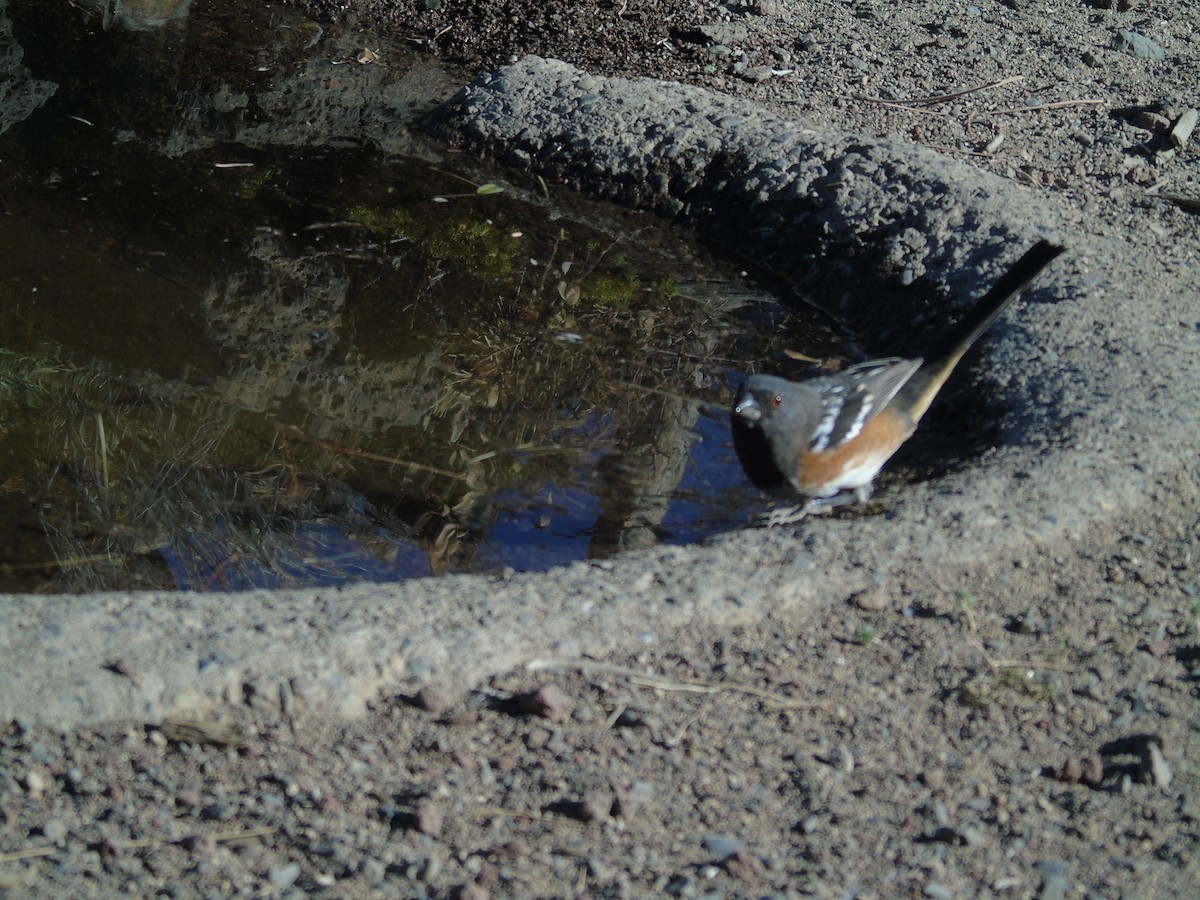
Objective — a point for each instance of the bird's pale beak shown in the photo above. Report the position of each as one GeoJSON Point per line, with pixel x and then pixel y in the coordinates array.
{"type": "Point", "coordinates": [747, 410]}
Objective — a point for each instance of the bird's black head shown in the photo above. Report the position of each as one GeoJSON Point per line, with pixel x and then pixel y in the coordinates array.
{"type": "Point", "coordinates": [772, 420]}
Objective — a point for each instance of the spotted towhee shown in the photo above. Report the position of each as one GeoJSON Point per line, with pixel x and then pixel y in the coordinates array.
{"type": "Point", "coordinates": [833, 433]}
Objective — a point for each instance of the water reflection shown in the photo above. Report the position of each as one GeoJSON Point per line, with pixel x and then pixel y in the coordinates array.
{"type": "Point", "coordinates": [247, 343]}
{"type": "Point", "coordinates": [134, 15]}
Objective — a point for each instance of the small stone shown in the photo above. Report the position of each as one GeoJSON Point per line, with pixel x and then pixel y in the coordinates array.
{"type": "Point", "coordinates": [1183, 128]}
{"type": "Point", "coordinates": [33, 782]}
{"type": "Point", "coordinates": [626, 803]}
{"type": "Point", "coordinates": [1083, 137]}
{"type": "Point", "coordinates": [1056, 879]}
{"type": "Point", "coordinates": [55, 831]}
{"type": "Point", "coordinates": [935, 779]}
{"type": "Point", "coordinates": [463, 718]}
{"type": "Point", "coordinates": [1159, 648]}
{"type": "Point", "coordinates": [1154, 768]}
{"type": "Point", "coordinates": [758, 73]}
{"type": "Point", "coordinates": [430, 869]}
{"type": "Point", "coordinates": [601, 872]}
{"type": "Point", "coordinates": [433, 699]}
{"type": "Point", "coordinates": [1087, 770]}
{"type": "Point", "coordinates": [547, 701]}
{"type": "Point", "coordinates": [768, 7]}
{"type": "Point", "coordinates": [285, 876]}
{"type": "Point", "coordinates": [743, 866]}
{"type": "Point", "coordinates": [429, 817]}
{"type": "Point", "coordinates": [1138, 44]}
{"type": "Point", "coordinates": [471, 891]}
{"type": "Point", "coordinates": [937, 891]}
{"type": "Point", "coordinates": [188, 799]}
{"type": "Point", "coordinates": [537, 738]}
{"type": "Point", "coordinates": [872, 600]}
{"type": "Point", "coordinates": [373, 871]}
{"type": "Point", "coordinates": [596, 805]}
{"type": "Point", "coordinates": [505, 763]}
{"type": "Point", "coordinates": [1152, 121]}
{"type": "Point", "coordinates": [465, 761]}
{"type": "Point", "coordinates": [721, 845]}
{"type": "Point", "coordinates": [1071, 771]}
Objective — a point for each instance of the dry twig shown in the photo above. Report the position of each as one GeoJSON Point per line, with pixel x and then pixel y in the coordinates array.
{"type": "Point", "coordinates": [943, 98]}
{"type": "Point", "coordinates": [661, 683]}
{"type": "Point", "coordinates": [997, 664]}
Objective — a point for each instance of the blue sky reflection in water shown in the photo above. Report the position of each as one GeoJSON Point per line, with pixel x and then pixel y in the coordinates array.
{"type": "Point", "coordinates": [257, 334]}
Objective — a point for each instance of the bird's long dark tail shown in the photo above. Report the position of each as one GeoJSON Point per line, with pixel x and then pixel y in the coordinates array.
{"type": "Point", "coordinates": [936, 368]}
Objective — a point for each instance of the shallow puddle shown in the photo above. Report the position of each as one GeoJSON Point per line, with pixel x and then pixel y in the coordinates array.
{"type": "Point", "coordinates": [254, 333]}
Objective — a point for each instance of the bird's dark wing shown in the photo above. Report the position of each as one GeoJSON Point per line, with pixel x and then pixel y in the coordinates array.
{"type": "Point", "coordinates": [852, 397]}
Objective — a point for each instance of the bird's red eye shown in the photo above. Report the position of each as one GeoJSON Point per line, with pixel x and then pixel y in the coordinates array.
{"type": "Point", "coordinates": [777, 400]}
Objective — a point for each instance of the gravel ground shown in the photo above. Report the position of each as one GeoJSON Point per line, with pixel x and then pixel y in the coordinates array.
{"type": "Point", "coordinates": [1017, 726]}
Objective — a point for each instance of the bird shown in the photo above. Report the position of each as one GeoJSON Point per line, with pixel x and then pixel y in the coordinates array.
{"type": "Point", "coordinates": [824, 437]}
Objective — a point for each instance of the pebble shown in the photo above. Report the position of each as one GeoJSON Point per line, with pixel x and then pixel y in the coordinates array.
{"type": "Point", "coordinates": [285, 876]}
{"type": "Point", "coordinates": [937, 891]}
{"type": "Point", "coordinates": [721, 845]}
{"type": "Point", "coordinates": [758, 73]}
{"type": "Point", "coordinates": [768, 7]}
{"type": "Point", "coordinates": [429, 817]}
{"type": "Point", "coordinates": [1154, 768]}
{"type": "Point", "coordinates": [55, 831]}
{"type": "Point", "coordinates": [873, 599]}
{"type": "Point", "coordinates": [1087, 770]}
{"type": "Point", "coordinates": [33, 782]}
{"type": "Point", "coordinates": [373, 871]}
{"type": "Point", "coordinates": [1138, 44]}
{"type": "Point", "coordinates": [1184, 127]}
{"type": "Point", "coordinates": [596, 805]}
{"type": "Point", "coordinates": [547, 701]}
{"type": "Point", "coordinates": [271, 800]}
{"type": "Point", "coordinates": [601, 871]}
{"type": "Point", "coordinates": [1056, 879]}
{"type": "Point", "coordinates": [433, 699]}
{"type": "Point", "coordinates": [429, 869]}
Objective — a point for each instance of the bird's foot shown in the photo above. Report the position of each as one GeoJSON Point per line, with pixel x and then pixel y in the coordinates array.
{"type": "Point", "coordinates": [783, 516]}
{"type": "Point", "coordinates": [814, 506]}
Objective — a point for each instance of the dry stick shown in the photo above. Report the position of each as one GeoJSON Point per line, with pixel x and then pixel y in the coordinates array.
{"type": "Point", "coordinates": [28, 853]}
{"type": "Point", "coordinates": [942, 148]}
{"type": "Point", "coordinates": [665, 684]}
{"type": "Point", "coordinates": [1192, 204]}
{"type": "Point", "coordinates": [997, 664]}
{"type": "Point", "coordinates": [378, 457]}
{"type": "Point", "coordinates": [943, 98]}
{"type": "Point", "coordinates": [497, 812]}
{"type": "Point", "coordinates": [1058, 104]}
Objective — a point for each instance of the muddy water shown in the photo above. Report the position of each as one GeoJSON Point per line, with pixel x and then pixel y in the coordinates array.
{"type": "Point", "coordinates": [254, 332]}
